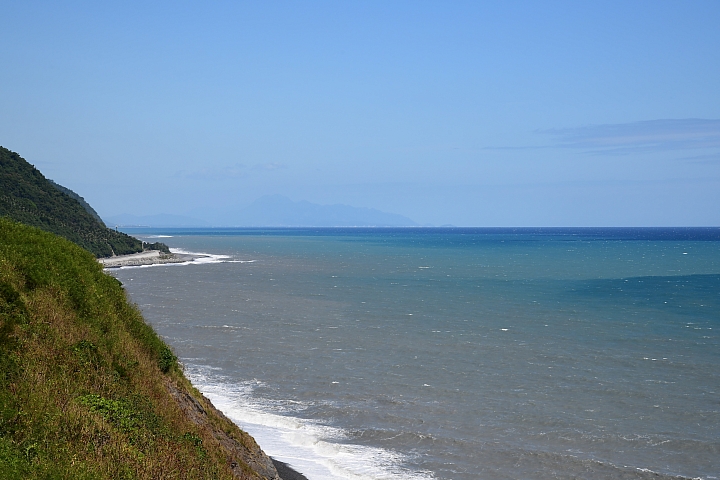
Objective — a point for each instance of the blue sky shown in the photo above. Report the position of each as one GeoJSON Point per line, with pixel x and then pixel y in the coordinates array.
{"type": "Point", "coordinates": [468, 113]}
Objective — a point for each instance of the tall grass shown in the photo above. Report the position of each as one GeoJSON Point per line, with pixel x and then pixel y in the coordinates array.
{"type": "Point", "coordinates": [83, 378]}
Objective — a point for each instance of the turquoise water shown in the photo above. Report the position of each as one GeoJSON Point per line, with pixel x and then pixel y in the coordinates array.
{"type": "Point", "coordinates": [454, 354]}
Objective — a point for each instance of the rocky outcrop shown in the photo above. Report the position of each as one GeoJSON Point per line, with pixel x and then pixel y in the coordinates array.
{"type": "Point", "coordinates": [244, 456]}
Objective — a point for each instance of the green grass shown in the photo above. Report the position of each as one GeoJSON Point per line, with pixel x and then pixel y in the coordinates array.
{"type": "Point", "coordinates": [83, 378]}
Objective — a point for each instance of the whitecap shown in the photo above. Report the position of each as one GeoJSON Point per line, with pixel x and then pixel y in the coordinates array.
{"type": "Point", "coordinates": [308, 446]}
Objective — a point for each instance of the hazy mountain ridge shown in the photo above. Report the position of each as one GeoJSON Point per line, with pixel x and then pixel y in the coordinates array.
{"type": "Point", "coordinates": [280, 211]}
{"type": "Point", "coordinates": [274, 211]}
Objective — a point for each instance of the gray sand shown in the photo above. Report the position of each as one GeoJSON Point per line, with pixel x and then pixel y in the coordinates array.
{"type": "Point", "coordinates": [148, 257]}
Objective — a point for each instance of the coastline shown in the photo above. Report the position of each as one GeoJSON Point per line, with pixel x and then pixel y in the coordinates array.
{"type": "Point", "coordinates": [138, 415]}
{"type": "Point", "coordinates": [155, 257]}
{"type": "Point", "coordinates": [286, 472]}
{"type": "Point", "coordinates": [148, 257]}
{"type": "Point", "coordinates": [251, 376]}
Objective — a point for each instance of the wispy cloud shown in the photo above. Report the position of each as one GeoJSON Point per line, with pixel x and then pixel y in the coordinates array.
{"type": "Point", "coordinates": [213, 172]}
{"type": "Point", "coordinates": [681, 134]}
{"type": "Point", "coordinates": [237, 170]}
{"type": "Point", "coordinates": [710, 159]}
{"type": "Point", "coordinates": [269, 166]}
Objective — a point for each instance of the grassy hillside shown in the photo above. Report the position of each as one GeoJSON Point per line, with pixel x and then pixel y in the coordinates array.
{"type": "Point", "coordinates": [28, 197]}
{"type": "Point", "coordinates": [87, 388]}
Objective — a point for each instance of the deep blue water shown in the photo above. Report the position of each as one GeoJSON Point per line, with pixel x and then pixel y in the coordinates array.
{"type": "Point", "coordinates": [454, 353]}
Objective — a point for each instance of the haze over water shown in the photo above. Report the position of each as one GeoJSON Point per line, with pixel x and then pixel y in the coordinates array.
{"type": "Point", "coordinates": [454, 353]}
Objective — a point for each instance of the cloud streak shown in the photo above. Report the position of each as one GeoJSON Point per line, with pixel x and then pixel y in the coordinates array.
{"type": "Point", "coordinates": [269, 166]}
{"type": "Point", "coordinates": [651, 135]}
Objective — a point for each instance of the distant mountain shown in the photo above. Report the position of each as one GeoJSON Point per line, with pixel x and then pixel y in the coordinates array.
{"type": "Point", "coordinates": [159, 220]}
{"type": "Point", "coordinates": [280, 211]}
{"type": "Point", "coordinates": [26, 196]}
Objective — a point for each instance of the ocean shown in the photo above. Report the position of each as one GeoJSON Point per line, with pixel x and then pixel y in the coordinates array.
{"type": "Point", "coordinates": [456, 353]}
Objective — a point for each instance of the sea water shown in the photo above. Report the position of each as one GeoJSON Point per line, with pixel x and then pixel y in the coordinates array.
{"type": "Point", "coordinates": [453, 353]}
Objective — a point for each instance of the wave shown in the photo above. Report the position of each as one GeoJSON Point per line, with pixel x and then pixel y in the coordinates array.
{"type": "Point", "coordinates": [194, 258]}
{"type": "Point", "coordinates": [318, 451]}
{"type": "Point", "coordinates": [200, 257]}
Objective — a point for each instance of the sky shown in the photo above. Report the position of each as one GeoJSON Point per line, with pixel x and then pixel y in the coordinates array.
{"type": "Point", "coordinates": [504, 113]}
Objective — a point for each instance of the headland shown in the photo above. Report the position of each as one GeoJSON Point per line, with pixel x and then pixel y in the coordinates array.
{"type": "Point", "coordinates": [148, 257]}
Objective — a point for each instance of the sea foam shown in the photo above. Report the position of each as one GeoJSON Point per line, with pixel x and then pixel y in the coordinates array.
{"type": "Point", "coordinates": [318, 451]}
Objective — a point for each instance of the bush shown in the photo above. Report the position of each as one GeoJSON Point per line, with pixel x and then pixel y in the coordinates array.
{"type": "Point", "coordinates": [167, 359]}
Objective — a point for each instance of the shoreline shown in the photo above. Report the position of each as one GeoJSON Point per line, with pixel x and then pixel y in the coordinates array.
{"type": "Point", "coordinates": [286, 472]}
{"type": "Point", "coordinates": [148, 257]}
{"type": "Point", "coordinates": [156, 257]}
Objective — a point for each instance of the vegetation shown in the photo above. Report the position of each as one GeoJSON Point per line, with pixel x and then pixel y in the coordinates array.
{"type": "Point", "coordinates": [80, 200]}
{"type": "Point", "coordinates": [28, 197]}
{"type": "Point", "coordinates": [87, 389]}
{"type": "Point", "coordinates": [157, 246]}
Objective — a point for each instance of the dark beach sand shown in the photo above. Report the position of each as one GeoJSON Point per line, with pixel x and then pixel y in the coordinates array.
{"type": "Point", "coordinates": [287, 473]}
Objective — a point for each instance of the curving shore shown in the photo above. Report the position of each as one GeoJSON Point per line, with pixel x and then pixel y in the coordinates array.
{"type": "Point", "coordinates": [148, 257]}
{"type": "Point", "coordinates": [155, 257]}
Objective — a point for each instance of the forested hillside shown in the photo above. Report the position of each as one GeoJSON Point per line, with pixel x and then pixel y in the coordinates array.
{"type": "Point", "coordinates": [28, 197]}
{"type": "Point", "coordinates": [79, 199]}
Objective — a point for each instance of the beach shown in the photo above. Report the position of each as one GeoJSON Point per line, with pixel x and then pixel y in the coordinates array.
{"type": "Point", "coordinates": [148, 257]}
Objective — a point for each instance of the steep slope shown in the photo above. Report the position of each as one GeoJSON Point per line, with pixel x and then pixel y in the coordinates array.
{"type": "Point", "coordinates": [87, 388]}
{"type": "Point", "coordinates": [80, 200]}
{"type": "Point", "coordinates": [28, 197]}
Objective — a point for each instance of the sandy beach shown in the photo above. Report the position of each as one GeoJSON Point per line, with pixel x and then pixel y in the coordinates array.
{"type": "Point", "coordinates": [148, 257]}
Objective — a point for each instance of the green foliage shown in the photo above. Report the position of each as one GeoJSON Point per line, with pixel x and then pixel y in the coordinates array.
{"type": "Point", "coordinates": [88, 354]}
{"type": "Point", "coordinates": [157, 246]}
{"type": "Point", "coordinates": [167, 359]}
{"type": "Point", "coordinates": [197, 442]}
{"type": "Point", "coordinates": [12, 310]}
{"type": "Point", "coordinates": [80, 200]}
{"type": "Point", "coordinates": [82, 393]}
{"type": "Point", "coordinates": [26, 196]}
{"type": "Point", "coordinates": [13, 464]}
{"type": "Point", "coordinates": [133, 417]}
